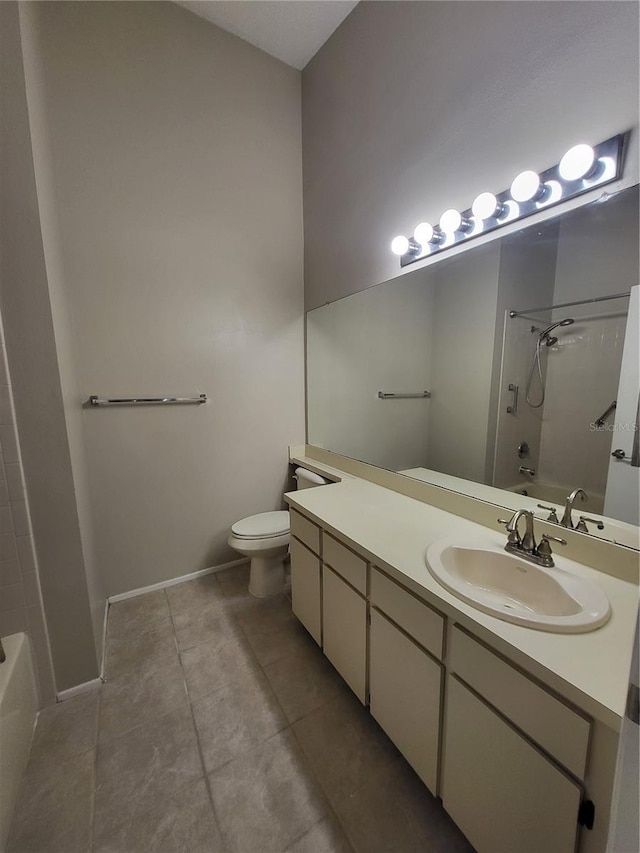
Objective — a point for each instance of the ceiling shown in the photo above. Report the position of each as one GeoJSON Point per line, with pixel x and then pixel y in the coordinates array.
{"type": "Point", "coordinates": [290, 30]}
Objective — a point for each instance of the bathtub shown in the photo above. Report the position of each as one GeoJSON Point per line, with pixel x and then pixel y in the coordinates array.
{"type": "Point", "coordinates": [18, 708]}
{"type": "Point", "coordinates": [551, 494]}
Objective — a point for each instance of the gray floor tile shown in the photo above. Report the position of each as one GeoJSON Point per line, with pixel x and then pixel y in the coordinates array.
{"type": "Point", "coordinates": [196, 593]}
{"type": "Point", "coordinates": [183, 823]}
{"type": "Point", "coordinates": [271, 628]}
{"type": "Point", "coordinates": [324, 837]}
{"type": "Point", "coordinates": [304, 679]}
{"type": "Point", "coordinates": [64, 730]}
{"type": "Point", "coordinates": [141, 695]}
{"type": "Point", "coordinates": [207, 624]}
{"type": "Point", "coordinates": [53, 812]}
{"type": "Point", "coordinates": [345, 746]}
{"type": "Point", "coordinates": [234, 582]}
{"type": "Point", "coordinates": [266, 799]}
{"type": "Point", "coordinates": [132, 646]}
{"type": "Point", "coordinates": [397, 814]}
{"type": "Point", "coordinates": [144, 767]}
{"type": "Point", "coordinates": [140, 610]}
{"type": "Point", "coordinates": [210, 666]}
{"type": "Point", "coordinates": [236, 718]}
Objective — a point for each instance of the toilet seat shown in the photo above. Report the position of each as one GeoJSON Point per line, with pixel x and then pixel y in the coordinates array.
{"type": "Point", "coordinates": [265, 525]}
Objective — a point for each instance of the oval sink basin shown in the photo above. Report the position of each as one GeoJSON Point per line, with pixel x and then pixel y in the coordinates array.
{"type": "Point", "coordinates": [516, 590]}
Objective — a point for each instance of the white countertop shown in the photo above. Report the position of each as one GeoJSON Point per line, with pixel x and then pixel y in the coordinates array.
{"type": "Point", "coordinates": [393, 531]}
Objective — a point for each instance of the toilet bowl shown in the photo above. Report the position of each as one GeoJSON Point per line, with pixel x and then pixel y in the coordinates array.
{"type": "Point", "coordinates": [264, 538]}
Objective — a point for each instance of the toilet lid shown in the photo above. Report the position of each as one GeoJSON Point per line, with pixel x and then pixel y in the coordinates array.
{"type": "Point", "coordinates": [262, 526]}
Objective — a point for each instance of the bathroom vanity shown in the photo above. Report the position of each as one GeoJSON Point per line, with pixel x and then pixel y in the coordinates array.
{"type": "Point", "coordinates": [516, 729]}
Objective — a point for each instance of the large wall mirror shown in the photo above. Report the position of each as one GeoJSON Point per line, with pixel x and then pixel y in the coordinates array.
{"type": "Point", "coordinates": [509, 372]}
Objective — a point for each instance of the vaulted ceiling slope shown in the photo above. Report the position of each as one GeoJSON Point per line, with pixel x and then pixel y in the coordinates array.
{"type": "Point", "coordinates": [291, 30]}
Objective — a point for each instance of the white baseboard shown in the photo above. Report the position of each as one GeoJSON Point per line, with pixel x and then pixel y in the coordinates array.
{"type": "Point", "coordinates": [122, 596]}
{"type": "Point", "coordinates": [78, 689]}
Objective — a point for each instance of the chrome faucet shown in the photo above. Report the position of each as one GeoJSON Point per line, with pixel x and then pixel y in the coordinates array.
{"type": "Point", "coordinates": [567, 521]}
{"type": "Point", "coordinates": [526, 546]}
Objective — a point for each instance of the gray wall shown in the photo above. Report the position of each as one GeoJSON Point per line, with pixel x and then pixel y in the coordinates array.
{"type": "Point", "coordinates": [411, 108]}
{"type": "Point", "coordinates": [172, 153]}
{"type": "Point", "coordinates": [38, 396]}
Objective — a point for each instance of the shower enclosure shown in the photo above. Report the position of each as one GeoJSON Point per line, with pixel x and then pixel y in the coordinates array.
{"type": "Point", "coordinates": [565, 372]}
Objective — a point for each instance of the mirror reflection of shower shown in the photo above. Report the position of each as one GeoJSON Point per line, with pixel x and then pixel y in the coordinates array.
{"type": "Point", "coordinates": [568, 376]}
{"type": "Point", "coordinates": [544, 338]}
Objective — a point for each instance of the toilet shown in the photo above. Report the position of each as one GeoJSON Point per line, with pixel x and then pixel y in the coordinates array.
{"type": "Point", "coordinates": [265, 539]}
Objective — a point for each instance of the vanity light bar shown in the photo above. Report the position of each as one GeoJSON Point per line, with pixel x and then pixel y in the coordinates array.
{"type": "Point", "coordinates": [581, 169]}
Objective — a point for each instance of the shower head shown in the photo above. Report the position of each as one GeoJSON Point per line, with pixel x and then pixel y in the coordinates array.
{"type": "Point", "coordinates": [545, 333]}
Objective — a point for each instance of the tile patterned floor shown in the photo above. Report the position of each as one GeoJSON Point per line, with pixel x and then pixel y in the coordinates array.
{"type": "Point", "coordinates": [221, 727]}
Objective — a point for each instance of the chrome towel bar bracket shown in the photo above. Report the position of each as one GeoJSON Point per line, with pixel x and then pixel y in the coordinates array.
{"type": "Point", "coordinates": [147, 401]}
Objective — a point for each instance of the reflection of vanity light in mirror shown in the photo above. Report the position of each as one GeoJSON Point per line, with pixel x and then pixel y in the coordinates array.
{"type": "Point", "coordinates": [578, 162]}
{"type": "Point", "coordinates": [552, 195]}
{"type": "Point", "coordinates": [527, 186]}
{"type": "Point", "coordinates": [427, 237]}
{"type": "Point", "coordinates": [403, 245]}
{"type": "Point", "coordinates": [452, 220]}
{"type": "Point", "coordinates": [486, 206]}
{"type": "Point", "coordinates": [581, 169]}
{"type": "Point", "coordinates": [510, 211]}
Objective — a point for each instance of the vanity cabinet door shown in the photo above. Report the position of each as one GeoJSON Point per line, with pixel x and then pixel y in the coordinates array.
{"type": "Point", "coordinates": [502, 792]}
{"type": "Point", "coordinates": [305, 588]}
{"type": "Point", "coordinates": [404, 688]}
{"type": "Point", "coordinates": [344, 631]}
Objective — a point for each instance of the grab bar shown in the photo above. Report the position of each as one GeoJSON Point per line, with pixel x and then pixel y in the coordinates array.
{"type": "Point", "coordinates": [147, 401]}
{"type": "Point", "coordinates": [610, 408]}
{"type": "Point", "coordinates": [388, 395]}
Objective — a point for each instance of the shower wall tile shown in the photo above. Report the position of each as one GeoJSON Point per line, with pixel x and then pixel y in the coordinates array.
{"type": "Point", "coordinates": [8, 549]}
{"type": "Point", "coordinates": [25, 554]}
{"type": "Point", "coordinates": [6, 520]}
{"type": "Point", "coordinates": [11, 597]}
{"type": "Point", "coordinates": [9, 572]}
{"type": "Point", "coordinates": [20, 518]}
{"type": "Point", "coordinates": [4, 492]}
{"type": "Point", "coordinates": [13, 621]}
{"type": "Point", "coordinates": [9, 443]}
{"type": "Point", "coordinates": [15, 482]}
{"type": "Point", "coordinates": [6, 411]}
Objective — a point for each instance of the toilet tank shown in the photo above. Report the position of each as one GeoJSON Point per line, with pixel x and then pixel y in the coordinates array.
{"type": "Point", "coordinates": [307, 479]}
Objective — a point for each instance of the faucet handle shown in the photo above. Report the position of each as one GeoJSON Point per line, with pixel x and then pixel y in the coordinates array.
{"type": "Point", "coordinates": [581, 526]}
{"type": "Point", "coordinates": [514, 537]}
{"type": "Point", "coordinates": [557, 539]}
{"type": "Point", "coordinates": [544, 549]}
{"type": "Point", "coordinates": [553, 515]}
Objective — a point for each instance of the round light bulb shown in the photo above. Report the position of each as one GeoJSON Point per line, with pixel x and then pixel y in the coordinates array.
{"type": "Point", "coordinates": [525, 186]}
{"type": "Point", "coordinates": [485, 206]}
{"type": "Point", "coordinates": [423, 233]}
{"type": "Point", "coordinates": [451, 221]}
{"type": "Point", "coordinates": [577, 162]}
{"type": "Point", "coordinates": [400, 246]}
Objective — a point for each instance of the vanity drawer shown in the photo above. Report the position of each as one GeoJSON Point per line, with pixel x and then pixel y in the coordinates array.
{"type": "Point", "coordinates": [304, 530]}
{"type": "Point", "coordinates": [557, 728]}
{"type": "Point", "coordinates": [412, 615]}
{"type": "Point", "coordinates": [343, 561]}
